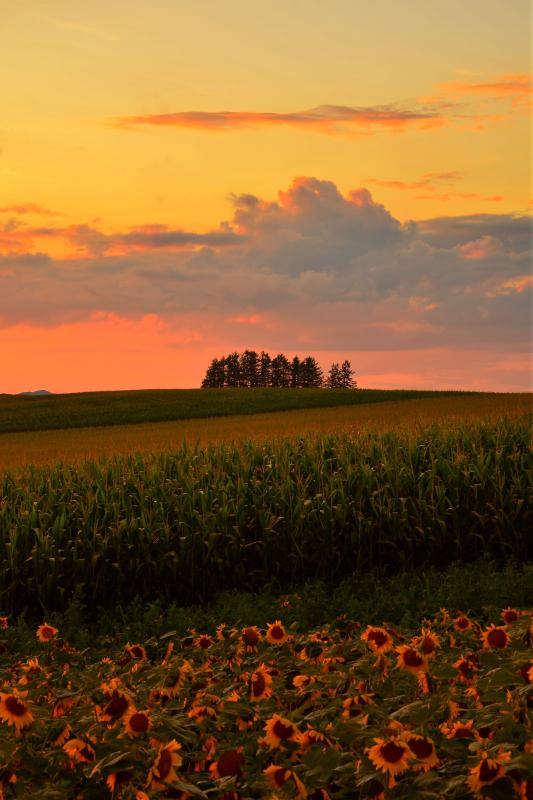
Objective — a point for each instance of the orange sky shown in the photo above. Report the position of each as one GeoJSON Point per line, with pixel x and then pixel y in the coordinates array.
{"type": "Point", "coordinates": [182, 180]}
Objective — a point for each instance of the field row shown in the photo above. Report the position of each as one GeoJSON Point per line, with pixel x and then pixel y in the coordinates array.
{"type": "Point", "coordinates": [24, 413]}
{"type": "Point", "coordinates": [185, 526]}
{"type": "Point", "coordinates": [78, 444]}
{"type": "Point", "coordinates": [242, 712]}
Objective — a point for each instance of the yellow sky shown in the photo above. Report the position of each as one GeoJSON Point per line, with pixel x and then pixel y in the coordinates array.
{"type": "Point", "coordinates": [71, 68]}
{"type": "Point", "coordinates": [131, 130]}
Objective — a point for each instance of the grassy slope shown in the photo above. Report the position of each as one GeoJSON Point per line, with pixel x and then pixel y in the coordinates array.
{"type": "Point", "coordinates": [88, 409]}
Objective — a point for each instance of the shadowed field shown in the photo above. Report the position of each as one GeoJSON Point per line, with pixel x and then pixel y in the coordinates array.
{"type": "Point", "coordinates": [78, 444]}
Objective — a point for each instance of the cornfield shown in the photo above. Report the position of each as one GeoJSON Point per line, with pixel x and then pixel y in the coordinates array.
{"type": "Point", "coordinates": [184, 526]}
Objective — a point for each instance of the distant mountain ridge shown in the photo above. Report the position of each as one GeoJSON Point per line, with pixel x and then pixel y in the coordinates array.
{"type": "Point", "coordinates": [37, 392]}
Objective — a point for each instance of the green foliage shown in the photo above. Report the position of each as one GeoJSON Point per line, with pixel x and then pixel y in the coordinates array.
{"type": "Point", "coordinates": [185, 527]}
{"type": "Point", "coordinates": [23, 413]}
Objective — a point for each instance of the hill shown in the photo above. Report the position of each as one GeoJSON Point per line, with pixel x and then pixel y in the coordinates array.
{"type": "Point", "coordinates": [90, 409]}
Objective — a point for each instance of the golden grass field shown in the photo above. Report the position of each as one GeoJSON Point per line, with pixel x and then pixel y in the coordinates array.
{"type": "Point", "coordinates": [78, 444]}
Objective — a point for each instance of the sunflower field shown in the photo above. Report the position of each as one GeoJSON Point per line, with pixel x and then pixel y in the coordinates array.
{"type": "Point", "coordinates": [243, 712]}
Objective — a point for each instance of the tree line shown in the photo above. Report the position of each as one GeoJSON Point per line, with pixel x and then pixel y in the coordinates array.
{"type": "Point", "coordinates": [251, 369]}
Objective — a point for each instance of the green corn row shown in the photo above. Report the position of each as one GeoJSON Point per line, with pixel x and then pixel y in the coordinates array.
{"type": "Point", "coordinates": [185, 526]}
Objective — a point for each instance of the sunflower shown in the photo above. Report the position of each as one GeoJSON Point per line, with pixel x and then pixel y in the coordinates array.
{"type": "Point", "coordinates": [410, 660]}
{"type": "Point", "coordinates": [510, 615]}
{"type": "Point", "coordinates": [495, 638]}
{"type": "Point", "coordinates": [462, 623]}
{"type": "Point", "coordinates": [204, 641]}
{"type": "Point", "coordinates": [4, 623]}
{"type": "Point", "coordinates": [378, 639]}
{"type": "Point", "coordinates": [251, 637]}
{"type": "Point", "coordinates": [45, 633]}
{"type": "Point", "coordinates": [136, 722]}
{"type": "Point", "coordinates": [487, 771]}
{"type": "Point", "coordinates": [355, 707]}
{"type": "Point", "coordinates": [162, 772]}
{"type": "Point", "coordinates": [15, 711]}
{"type": "Point", "coordinates": [427, 642]}
{"type": "Point", "coordinates": [276, 633]}
{"type": "Point", "coordinates": [228, 764]}
{"type": "Point", "coordinates": [116, 780]}
{"type": "Point", "coordinates": [136, 651]}
{"type": "Point", "coordinates": [278, 776]}
{"type": "Point", "coordinates": [63, 736]}
{"type": "Point", "coordinates": [391, 756]}
{"type": "Point", "coordinates": [423, 750]}
{"type": "Point", "coordinates": [466, 667]}
{"type": "Point", "coordinates": [174, 682]}
{"type": "Point", "coordinates": [79, 752]}
{"type": "Point", "coordinates": [260, 684]}
{"type": "Point", "coordinates": [279, 729]}
{"type": "Point", "coordinates": [117, 702]}
{"type": "Point", "coordinates": [460, 730]}
{"type": "Point", "coordinates": [301, 682]}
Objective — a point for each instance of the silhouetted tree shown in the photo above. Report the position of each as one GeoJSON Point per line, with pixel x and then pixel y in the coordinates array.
{"type": "Point", "coordinates": [233, 370]}
{"type": "Point", "coordinates": [311, 374]}
{"type": "Point", "coordinates": [295, 372]}
{"type": "Point", "coordinates": [347, 380]}
{"type": "Point", "coordinates": [281, 371]}
{"type": "Point", "coordinates": [333, 381]}
{"type": "Point", "coordinates": [249, 366]}
{"type": "Point", "coordinates": [265, 370]}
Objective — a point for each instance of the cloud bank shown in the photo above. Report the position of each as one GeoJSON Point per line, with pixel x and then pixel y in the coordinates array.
{"type": "Point", "coordinates": [312, 268]}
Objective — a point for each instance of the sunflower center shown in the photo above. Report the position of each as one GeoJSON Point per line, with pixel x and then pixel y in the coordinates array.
{"type": "Point", "coordinates": [281, 730]}
{"type": "Point", "coordinates": [164, 764]}
{"type": "Point", "coordinates": [276, 632]}
{"type": "Point", "coordinates": [487, 772]}
{"type": "Point", "coordinates": [229, 763]}
{"type": "Point", "coordinates": [497, 638]}
{"type": "Point", "coordinates": [391, 752]}
{"type": "Point", "coordinates": [412, 659]}
{"type": "Point", "coordinates": [378, 637]}
{"type": "Point", "coordinates": [139, 722]}
{"type": "Point", "coordinates": [250, 637]}
{"type": "Point", "coordinates": [117, 705]}
{"type": "Point", "coordinates": [422, 748]}
{"type": "Point", "coordinates": [258, 684]}
{"type": "Point", "coordinates": [15, 707]}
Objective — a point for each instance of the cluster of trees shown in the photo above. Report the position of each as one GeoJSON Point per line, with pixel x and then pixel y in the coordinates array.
{"type": "Point", "coordinates": [251, 369]}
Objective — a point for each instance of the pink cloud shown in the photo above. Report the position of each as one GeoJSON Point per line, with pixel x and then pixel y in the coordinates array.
{"type": "Point", "coordinates": [480, 248]}
{"type": "Point", "coordinates": [328, 119]}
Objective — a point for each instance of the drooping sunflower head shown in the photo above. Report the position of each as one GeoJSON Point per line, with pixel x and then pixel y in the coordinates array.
{"type": "Point", "coordinates": [229, 764]}
{"type": "Point", "coordinates": [411, 660]}
{"type": "Point", "coordinates": [378, 640]}
{"type": "Point", "coordinates": [423, 749]}
{"type": "Point", "coordinates": [260, 684]}
{"type": "Point", "coordinates": [163, 770]}
{"type": "Point", "coordinates": [79, 751]}
{"type": "Point", "coordinates": [136, 651]}
{"type": "Point", "coordinates": [251, 637]}
{"type": "Point", "coordinates": [279, 730]}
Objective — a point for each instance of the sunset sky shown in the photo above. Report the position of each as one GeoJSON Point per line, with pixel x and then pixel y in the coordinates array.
{"type": "Point", "coordinates": [184, 178]}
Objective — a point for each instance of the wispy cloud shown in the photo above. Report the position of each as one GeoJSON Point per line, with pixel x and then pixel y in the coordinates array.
{"type": "Point", "coordinates": [432, 183]}
{"type": "Point", "coordinates": [29, 208]}
{"type": "Point", "coordinates": [506, 86]}
{"type": "Point", "coordinates": [329, 119]}
{"type": "Point", "coordinates": [91, 30]}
